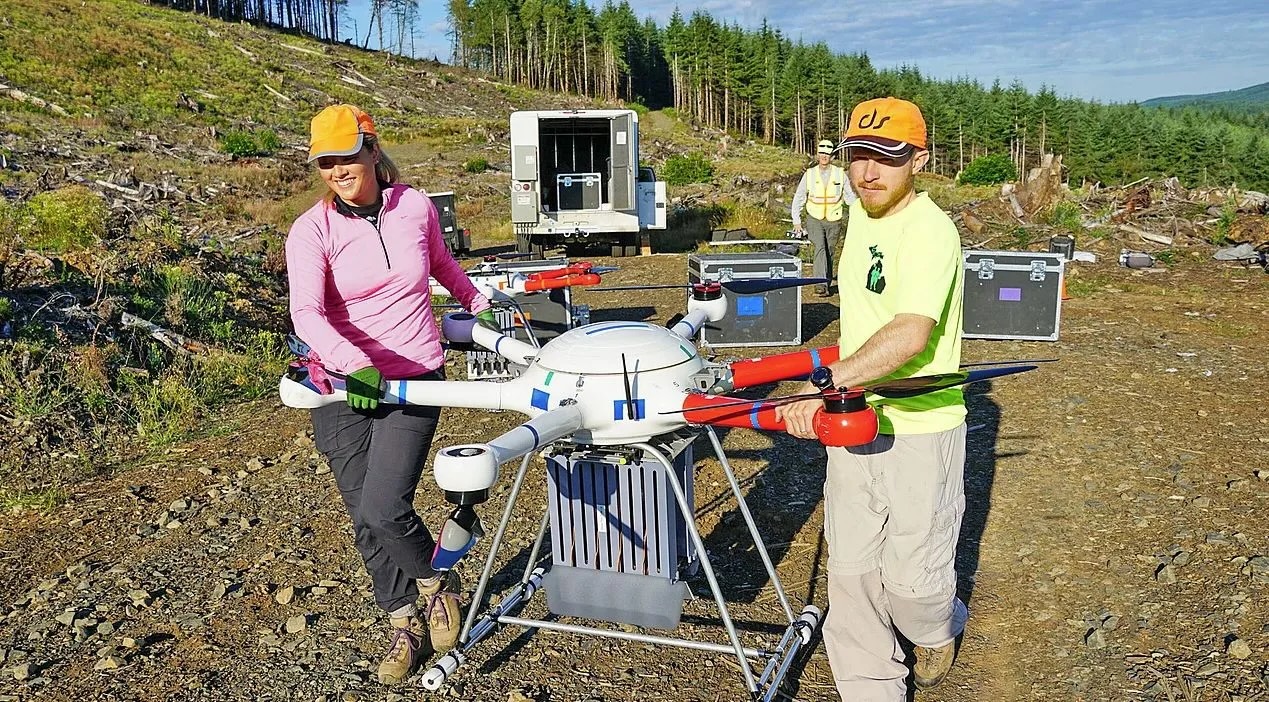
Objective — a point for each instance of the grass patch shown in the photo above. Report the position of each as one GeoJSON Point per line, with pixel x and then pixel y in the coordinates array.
{"type": "Point", "coordinates": [31, 500]}
{"type": "Point", "coordinates": [948, 195]}
{"type": "Point", "coordinates": [56, 221]}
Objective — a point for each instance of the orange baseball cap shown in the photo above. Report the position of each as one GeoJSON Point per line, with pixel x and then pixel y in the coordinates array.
{"type": "Point", "coordinates": [887, 125]}
{"type": "Point", "coordinates": [338, 131]}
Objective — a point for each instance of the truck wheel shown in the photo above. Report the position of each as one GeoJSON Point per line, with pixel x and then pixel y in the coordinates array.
{"type": "Point", "coordinates": [625, 245]}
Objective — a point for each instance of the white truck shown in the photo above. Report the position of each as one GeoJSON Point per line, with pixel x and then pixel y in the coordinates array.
{"type": "Point", "coordinates": [575, 179]}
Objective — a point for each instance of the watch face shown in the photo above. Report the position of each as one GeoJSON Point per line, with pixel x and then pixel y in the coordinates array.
{"type": "Point", "coordinates": [822, 377]}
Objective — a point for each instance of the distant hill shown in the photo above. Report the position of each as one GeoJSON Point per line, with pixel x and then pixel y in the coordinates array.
{"type": "Point", "coordinates": [1250, 99]}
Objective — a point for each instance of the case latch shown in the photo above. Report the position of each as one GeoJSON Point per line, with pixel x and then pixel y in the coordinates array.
{"type": "Point", "coordinates": [1038, 270]}
{"type": "Point", "coordinates": [986, 268]}
{"type": "Point", "coordinates": [775, 272]}
{"type": "Point", "coordinates": [726, 274]}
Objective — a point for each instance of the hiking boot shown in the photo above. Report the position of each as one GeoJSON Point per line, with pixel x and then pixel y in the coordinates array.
{"type": "Point", "coordinates": [933, 664]}
{"type": "Point", "coordinates": [409, 639]}
{"type": "Point", "coordinates": [440, 606]}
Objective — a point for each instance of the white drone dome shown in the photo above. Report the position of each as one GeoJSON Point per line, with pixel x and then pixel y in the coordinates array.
{"type": "Point", "coordinates": [597, 348]}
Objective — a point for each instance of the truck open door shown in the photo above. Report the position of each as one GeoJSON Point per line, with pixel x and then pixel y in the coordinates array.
{"type": "Point", "coordinates": [652, 203]}
{"type": "Point", "coordinates": [621, 181]}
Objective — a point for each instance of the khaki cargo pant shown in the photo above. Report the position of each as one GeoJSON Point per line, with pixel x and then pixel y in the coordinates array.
{"type": "Point", "coordinates": [892, 513]}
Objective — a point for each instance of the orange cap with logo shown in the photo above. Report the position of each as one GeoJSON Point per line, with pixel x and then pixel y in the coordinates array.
{"type": "Point", "coordinates": [338, 131]}
{"type": "Point", "coordinates": [888, 125]}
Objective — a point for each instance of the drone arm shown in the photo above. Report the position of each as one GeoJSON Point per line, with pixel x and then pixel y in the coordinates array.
{"type": "Point", "coordinates": [759, 371]}
{"type": "Point", "coordinates": [298, 390]}
{"type": "Point", "coordinates": [538, 284]}
{"type": "Point", "coordinates": [537, 432]}
{"type": "Point", "coordinates": [467, 472]}
{"type": "Point", "coordinates": [700, 409]}
{"type": "Point", "coordinates": [852, 427]}
{"type": "Point", "coordinates": [509, 348]}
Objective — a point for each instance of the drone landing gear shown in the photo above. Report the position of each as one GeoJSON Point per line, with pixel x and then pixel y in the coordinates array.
{"type": "Point", "coordinates": [605, 507]}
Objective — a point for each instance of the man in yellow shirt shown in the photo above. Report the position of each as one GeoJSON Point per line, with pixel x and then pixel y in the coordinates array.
{"type": "Point", "coordinates": [822, 195]}
{"type": "Point", "coordinates": [893, 508]}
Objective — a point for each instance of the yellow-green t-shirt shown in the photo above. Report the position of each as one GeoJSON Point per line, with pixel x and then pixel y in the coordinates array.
{"type": "Point", "coordinates": [907, 263]}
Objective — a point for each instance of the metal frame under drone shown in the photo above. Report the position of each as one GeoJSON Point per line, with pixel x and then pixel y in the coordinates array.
{"type": "Point", "coordinates": [627, 385]}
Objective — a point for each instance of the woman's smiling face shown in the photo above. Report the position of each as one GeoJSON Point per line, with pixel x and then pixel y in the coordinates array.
{"type": "Point", "coordinates": [352, 178]}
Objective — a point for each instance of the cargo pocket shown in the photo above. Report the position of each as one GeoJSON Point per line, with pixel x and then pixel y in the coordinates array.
{"type": "Point", "coordinates": [940, 545]}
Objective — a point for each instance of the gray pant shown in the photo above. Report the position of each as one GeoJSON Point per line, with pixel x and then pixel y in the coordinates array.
{"type": "Point", "coordinates": [824, 236]}
{"type": "Point", "coordinates": [377, 459]}
{"type": "Point", "coordinates": [892, 514]}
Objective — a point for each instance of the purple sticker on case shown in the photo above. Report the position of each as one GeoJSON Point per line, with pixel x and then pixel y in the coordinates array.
{"type": "Point", "coordinates": [1011, 294]}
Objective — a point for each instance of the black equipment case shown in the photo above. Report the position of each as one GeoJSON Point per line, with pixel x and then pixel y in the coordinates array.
{"type": "Point", "coordinates": [1013, 295]}
{"type": "Point", "coordinates": [772, 318]}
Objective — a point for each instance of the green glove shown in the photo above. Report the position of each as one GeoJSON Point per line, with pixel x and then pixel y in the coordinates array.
{"type": "Point", "coordinates": [364, 388]}
{"type": "Point", "coordinates": [487, 320]}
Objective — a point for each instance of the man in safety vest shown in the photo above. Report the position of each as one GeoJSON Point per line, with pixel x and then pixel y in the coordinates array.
{"type": "Point", "coordinates": [823, 191]}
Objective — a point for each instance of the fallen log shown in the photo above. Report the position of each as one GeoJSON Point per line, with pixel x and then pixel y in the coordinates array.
{"type": "Point", "coordinates": [1148, 236]}
{"type": "Point", "coordinates": [20, 96]}
{"type": "Point", "coordinates": [176, 342]}
{"type": "Point", "coordinates": [279, 95]}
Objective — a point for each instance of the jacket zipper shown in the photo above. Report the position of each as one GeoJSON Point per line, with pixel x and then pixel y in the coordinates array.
{"type": "Point", "coordinates": [379, 232]}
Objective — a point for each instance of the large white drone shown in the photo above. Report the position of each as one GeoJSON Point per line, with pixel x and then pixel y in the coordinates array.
{"type": "Point", "coordinates": [617, 384]}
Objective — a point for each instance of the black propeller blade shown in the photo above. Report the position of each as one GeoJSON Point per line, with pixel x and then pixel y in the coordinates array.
{"type": "Point", "coordinates": [740, 287]}
{"type": "Point", "coordinates": [894, 389]}
{"type": "Point", "coordinates": [973, 364]}
{"type": "Point", "coordinates": [919, 385]}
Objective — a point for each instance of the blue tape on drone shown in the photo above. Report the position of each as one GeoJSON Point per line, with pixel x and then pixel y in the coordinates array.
{"type": "Point", "coordinates": [537, 438]}
{"type": "Point", "coordinates": [619, 409]}
{"type": "Point", "coordinates": [539, 399]}
{"type": "Point", "coordinates": [815, 358]}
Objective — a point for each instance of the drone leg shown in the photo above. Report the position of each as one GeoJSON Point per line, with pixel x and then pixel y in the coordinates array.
{"type": "Point", "coordinates": [798, 635]}
{"type": "Point", "coordinates": [447, 664]}
{"type": "Point", "coordinates": [753, 527]}
{"type": "Point", "coordinates": [688, 510]}
{"type": "Point", "coordinates": [478, 597]}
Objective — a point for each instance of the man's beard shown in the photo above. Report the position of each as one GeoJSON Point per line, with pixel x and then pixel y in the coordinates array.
{"type": "Point", "coordinates": [893, 196]}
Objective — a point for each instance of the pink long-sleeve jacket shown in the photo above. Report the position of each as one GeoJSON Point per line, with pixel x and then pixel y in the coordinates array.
{"type": "Point", "coordinates": [360, 294]}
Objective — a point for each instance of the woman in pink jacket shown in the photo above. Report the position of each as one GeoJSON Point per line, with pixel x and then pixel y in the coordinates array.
{"type": "Point", "coordinates": [358, 264]}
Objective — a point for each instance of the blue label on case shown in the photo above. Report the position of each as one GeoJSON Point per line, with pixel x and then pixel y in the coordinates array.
{"type": "Point", "coordinates": [1011, 294]}
{"type": "Point", "coordinates": [750, 306]}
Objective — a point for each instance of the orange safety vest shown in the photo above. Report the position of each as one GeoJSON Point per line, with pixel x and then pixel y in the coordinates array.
{"type": "Point", "coordinates": [824, 198]}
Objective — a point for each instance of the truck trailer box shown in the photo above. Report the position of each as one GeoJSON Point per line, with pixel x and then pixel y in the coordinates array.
{"type": "Point", "coordinates": [772, 318]}
{"type": "Point", "coordinates": [575, 178]}
{"type": "Point", "coordinates": [1013, 295]}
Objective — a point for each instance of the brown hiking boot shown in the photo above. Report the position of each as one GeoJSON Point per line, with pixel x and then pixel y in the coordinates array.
{"type": "Point", "coordinates": [933, 664]}
{"type": "Point", "coordinates": [441, 607]}
{"type": "Point", "coordinates": [409, 639]}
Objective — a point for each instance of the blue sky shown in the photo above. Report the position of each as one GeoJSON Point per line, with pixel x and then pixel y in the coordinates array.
{"type": "Point", "coordinates": [1109, 51]}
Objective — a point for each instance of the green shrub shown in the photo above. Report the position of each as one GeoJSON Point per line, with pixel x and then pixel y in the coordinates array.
{"type": "Point", "coordinates": [269, 141]}
{"type": "Point", "coordinates": [66, 219]}
{"type": "Point", "coordinates": [238, 143]}
{"type": "Point", "coordinates": [692, 168]}
{"type": "Point", "coordinates": [989, 170]}
{"type": "Point", "coordinates": [241, 143]}
{"type": "Point", "coordinates": [1066, 215]}
{"type": "Point", "coordinates": [1225, 223]}
{"type": "Point", "coordinates": [476, 165]}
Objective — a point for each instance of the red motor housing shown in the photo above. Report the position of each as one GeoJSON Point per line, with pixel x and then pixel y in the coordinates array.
{"type": "Point", "coordinates": [845, 420]}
